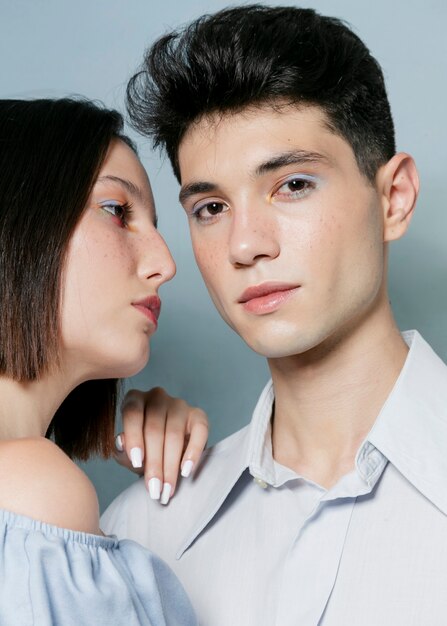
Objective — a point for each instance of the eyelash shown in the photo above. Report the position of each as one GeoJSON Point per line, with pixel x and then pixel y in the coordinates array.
{"type": "Point", "coordinates": [309, 183]}
{"type": "Point", "coordinates": [196, 212]}
{"type": "Point", "coordinates": [126, 211]}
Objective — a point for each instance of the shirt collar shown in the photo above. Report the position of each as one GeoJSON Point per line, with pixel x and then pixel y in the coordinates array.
{"type": "Point", "coordinates": [369, 463]}
{"type": "Point", "coordinates": [259, 454]}
{"type": "Point", "coordinates": [411, 429]}
{"type": "Point", "coordinates": [253, 450]}
{"type": "Point", "coordinates": [410, 432]}
{"type": "Point", "coordinates": [235, 466]}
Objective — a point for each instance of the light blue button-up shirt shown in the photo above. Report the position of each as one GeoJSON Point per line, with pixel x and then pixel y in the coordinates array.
{"type": "Point", "coordinates": [255, 544]}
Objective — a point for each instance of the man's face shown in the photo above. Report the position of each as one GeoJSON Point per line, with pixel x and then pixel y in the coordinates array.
{"type": "Point", "coordinates": [287, 233]}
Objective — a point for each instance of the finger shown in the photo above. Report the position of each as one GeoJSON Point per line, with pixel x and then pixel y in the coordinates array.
{"type": "Point", "coordinates": [120, 454]}
{"type": "Point", "coordinates": [198, 437]}
{"type": "Point", "coordinates": [132, 409]}
{"type": "Point", "coordinates": [175, 434]}
{"type": "Point", "coordinates": [154, 435]}
{"type": "Point", "coordinates": [119, 442]}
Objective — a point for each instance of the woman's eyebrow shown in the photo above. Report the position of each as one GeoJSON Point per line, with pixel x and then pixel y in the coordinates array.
{"type": "Point", "coordinates": [128, 185]}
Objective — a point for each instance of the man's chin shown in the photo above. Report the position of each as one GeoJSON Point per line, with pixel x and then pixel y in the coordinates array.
{"type": "Point", "coordinates": [271, 349]}
{"type": "Point", "coordinates": [295, 342]}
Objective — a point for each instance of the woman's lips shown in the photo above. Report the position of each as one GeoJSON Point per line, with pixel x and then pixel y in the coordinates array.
{"type": "Point", "coordinates": [150, 307]}
{"type": "Point", "coordinates": [266, 298]}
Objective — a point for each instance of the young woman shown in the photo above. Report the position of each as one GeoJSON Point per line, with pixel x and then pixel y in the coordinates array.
{"type": "Point", "coordinates": [81, 263]}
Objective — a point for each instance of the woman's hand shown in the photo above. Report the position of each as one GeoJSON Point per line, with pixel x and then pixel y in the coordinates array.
{"type": "Point", "coordinates": [161, 436]}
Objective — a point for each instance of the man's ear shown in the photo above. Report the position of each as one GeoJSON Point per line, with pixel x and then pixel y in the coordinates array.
{"type": "Point", "coordinates": [398, 185]}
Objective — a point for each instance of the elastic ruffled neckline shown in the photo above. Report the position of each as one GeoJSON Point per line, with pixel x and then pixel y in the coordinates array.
{"type": "Point", "coordinates": [15, 520]}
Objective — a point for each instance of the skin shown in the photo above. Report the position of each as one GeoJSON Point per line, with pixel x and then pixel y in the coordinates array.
{"type": "Point", "coordinates": [113, 261]}
{"type": "Point", "coordinates": [111, 264]}
{"type": "Point", "coordinates": [169, 431]}
{"type": "Point", "coordinates": [108, 267]}
{"type": "Point", "coordinates": [312, 221]}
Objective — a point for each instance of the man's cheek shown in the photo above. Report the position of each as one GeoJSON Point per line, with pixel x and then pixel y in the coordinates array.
{"type": "Point", "coordinates": [206, 259]}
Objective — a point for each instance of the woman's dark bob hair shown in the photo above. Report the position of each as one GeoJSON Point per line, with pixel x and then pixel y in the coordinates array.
{"type": "Point", "coordinates": [51, 152]}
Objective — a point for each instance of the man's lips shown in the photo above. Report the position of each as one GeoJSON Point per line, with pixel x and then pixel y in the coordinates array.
{"type": "Point", "coordinates": [267, 297]}
{"type": "Point", "coordinates": [150, 307]}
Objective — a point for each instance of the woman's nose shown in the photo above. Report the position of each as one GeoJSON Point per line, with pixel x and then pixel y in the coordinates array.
{"type": "Point", "coordinates": [156, 260]}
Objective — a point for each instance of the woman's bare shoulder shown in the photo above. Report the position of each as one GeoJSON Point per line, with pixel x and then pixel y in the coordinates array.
{"type": "Point", "coordinates": [40, 481]}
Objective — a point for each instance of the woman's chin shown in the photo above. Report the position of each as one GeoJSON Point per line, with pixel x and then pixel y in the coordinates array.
{"type": "Point", "coordinates": [131, 369]}
{"type": "Point", "coordinates": [124, 368]}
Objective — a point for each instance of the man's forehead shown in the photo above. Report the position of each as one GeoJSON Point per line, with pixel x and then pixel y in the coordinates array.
{"type": "Point", "coordinates": [264, 137]}
{"type": "Point", "coordinates": [209, 124]}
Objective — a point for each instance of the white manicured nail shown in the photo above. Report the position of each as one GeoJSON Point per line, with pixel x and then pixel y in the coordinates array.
{"type": "Point", "coordinates": [154, 488]}
{"type": "Point", "coordinates": [136, 457]}
{"type": "Point", "coordinates": [119, 443]}
{"type": "Point", "coordinates": [166, 493]}
{"type": "Point", "coordinates": [187, 468]}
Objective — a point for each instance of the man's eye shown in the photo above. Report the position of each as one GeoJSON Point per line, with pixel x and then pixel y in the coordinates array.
{"type": "Point", "coordinates": [295, 187]}
{"type": "Point", "coordinates": [298, 184]}
{"type": "Point", "coordinates": [206, 212]}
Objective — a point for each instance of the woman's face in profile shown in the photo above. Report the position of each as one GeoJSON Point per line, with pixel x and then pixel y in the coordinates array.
{"type": "Point", "coordinates": [115, 263]}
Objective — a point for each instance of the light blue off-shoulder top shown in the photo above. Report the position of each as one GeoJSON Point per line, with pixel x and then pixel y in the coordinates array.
{"type": "Point", "coordinates": [51, 576]}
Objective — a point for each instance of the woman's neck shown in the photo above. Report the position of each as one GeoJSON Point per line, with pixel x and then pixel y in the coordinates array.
{"type": "Point", "coordinates": [27, 408]}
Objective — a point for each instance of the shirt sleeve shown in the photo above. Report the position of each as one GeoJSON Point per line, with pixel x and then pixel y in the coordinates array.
{"type": "Point", "coordinates": [50, 575]}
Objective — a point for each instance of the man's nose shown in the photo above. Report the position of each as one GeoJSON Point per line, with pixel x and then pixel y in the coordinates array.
{"type": "Point", "coordinates": [253, 236]}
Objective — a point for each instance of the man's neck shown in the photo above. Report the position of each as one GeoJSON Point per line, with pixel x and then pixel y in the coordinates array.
{"type": "Point", "coordinates": [327, 400]}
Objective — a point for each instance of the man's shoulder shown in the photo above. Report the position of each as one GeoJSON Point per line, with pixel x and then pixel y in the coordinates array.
{"type": "Point", "coordinates": [133, 513]}
{"type": "Point", "coordinates": [233, 444]}
{"type": "Point", "coordinates": [411, 430]}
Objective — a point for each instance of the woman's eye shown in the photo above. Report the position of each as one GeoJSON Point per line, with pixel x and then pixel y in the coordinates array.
{"type": "Point", "coordinates": [119, 211]}
{"type": "Point", "coordinates": [295, 187]}
{"type": "Point", "coordinates": [206, 212]}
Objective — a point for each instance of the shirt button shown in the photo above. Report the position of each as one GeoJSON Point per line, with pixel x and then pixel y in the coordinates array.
{"type": "Point", "coordinates": [261, 483]}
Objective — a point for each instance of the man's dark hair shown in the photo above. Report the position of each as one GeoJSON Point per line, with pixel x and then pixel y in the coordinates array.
{"type": "Point", "coordinates": [258, 55]}
{"type": "Point", "coordinates": [51, 152]}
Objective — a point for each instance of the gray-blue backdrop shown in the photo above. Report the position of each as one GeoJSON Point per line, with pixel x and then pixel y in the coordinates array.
{"type": "Point", "coordinates": [90, 47]}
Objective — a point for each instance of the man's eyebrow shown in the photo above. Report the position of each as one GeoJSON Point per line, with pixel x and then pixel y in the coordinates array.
{"type": "Point", "coordinates": [132, 189]}
{"type": "Point", "coordinates": [292, 157]}
{"type": "Point", "coordinates": [193, 188]}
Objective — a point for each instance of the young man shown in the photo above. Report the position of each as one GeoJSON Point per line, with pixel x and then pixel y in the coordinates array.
{"type": "Point", "coordinates": [330, 507]}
